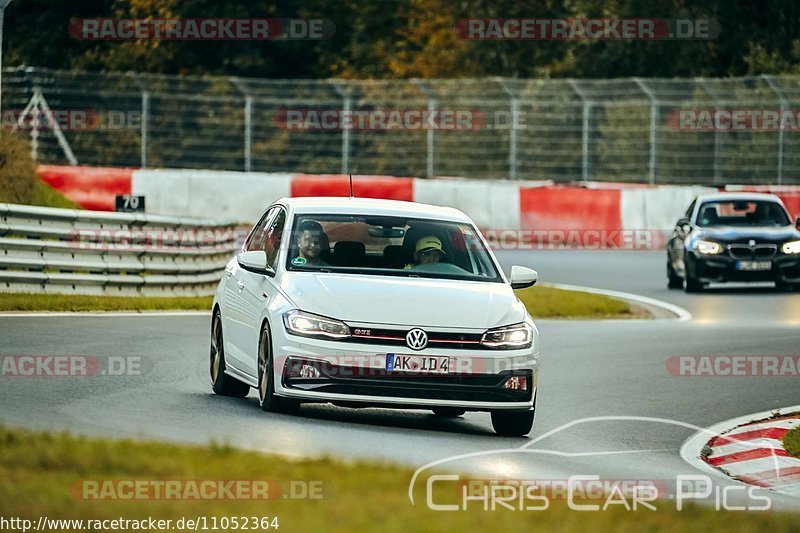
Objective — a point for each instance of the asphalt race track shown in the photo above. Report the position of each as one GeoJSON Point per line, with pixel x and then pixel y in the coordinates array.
{"type": "Point", "coordinates": [589, 369]}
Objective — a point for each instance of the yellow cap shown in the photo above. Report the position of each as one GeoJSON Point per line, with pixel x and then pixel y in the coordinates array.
{"type": "Point", "coordinates": [428, 242]}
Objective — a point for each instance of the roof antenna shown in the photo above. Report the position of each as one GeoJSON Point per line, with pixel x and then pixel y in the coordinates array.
{"type": "Point", "coordinates": [351, 185]}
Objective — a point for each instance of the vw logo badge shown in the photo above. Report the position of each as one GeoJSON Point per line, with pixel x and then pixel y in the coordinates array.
{"type": "Point", "coordinates": [417, 339]}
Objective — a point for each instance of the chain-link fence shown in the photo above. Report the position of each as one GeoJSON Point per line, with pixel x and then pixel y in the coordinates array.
{"type": "Point", "coordinates": [682, 131]}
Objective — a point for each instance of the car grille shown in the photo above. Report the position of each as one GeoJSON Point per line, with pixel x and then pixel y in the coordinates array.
{"type": "Point", "coordinates": [397, 337]}
{"type": "Point", "coordinates": [757, 251]}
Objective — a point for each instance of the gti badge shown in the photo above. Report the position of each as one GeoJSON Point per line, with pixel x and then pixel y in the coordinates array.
{"type": "Point", "coordinates": [416, 339]}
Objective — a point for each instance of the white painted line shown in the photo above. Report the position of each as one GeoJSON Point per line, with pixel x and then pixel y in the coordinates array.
{"type": "Point", "coordinates": [682, 314]}
{"type": "Point", "coordinates": [46, 314]}
{"type": "Point", "coordinates": [691, 448]}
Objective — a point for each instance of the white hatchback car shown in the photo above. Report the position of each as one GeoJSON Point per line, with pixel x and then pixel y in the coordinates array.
{"type": "Point", "coordinates": [361, 302]}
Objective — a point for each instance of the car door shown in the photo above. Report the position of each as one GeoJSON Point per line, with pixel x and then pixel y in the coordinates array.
{"type": "Point", "coordinates": [236, 320]}
{"type": "Point", "coordinates": [258, 290]}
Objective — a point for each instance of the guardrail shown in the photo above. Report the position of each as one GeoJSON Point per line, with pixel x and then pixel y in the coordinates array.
{"type": "Point", "coordinates": [47, 250]}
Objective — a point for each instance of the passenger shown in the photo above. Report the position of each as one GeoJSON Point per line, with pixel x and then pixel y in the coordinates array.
{"type": "Point", "coordinates": [310, 241]}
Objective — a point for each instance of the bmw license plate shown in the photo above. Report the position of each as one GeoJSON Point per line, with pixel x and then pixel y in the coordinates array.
{"type": "Point", "coordinates": [754, 265]}
{"type": "Point", "coordinates": [417, 363]}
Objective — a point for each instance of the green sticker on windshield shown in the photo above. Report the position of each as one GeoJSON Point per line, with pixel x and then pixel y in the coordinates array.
{"type": "Point", "coordinates": [299, 261]}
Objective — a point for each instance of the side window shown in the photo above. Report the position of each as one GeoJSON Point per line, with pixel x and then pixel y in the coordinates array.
{"type": "Point", "coordinates": [255, 241]}
{"type": "Point", "coordinates": [272, 237]}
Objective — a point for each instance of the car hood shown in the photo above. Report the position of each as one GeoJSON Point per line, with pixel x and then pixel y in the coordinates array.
{"type": "Point", "coordinates": [731, 234]}
{"type": "Point", "coordinates": [403, 301]}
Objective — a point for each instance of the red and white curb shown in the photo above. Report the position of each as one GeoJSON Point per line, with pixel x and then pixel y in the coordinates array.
{"type": "Point", "coordinates": [750, 450]}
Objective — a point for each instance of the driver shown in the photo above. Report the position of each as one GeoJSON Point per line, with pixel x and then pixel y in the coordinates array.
{"type": "Point", "coordinates": [310, 241]}
{"type": "Point", "coordinates": [427, 250]}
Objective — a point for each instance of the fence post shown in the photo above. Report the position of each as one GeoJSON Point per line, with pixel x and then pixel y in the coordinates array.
{"type": "Point", "coordinates": [145, 120]}
{"type": "Point", "coordinates": [512, 134]}
{"type": "Point", "coordinates": [653, 131]}
{"type": "Point", "coordinates": [587, 110]}
{"type": "Point", "coordinates": [347, 106]}
{"type": "Point", "coordinates": [248, 123]}
{"type": "Point", "coordinates": [145, 106]}
{"type": "Point", "coordinates": [781, 130]}
{"type": "Point", "coordinates": [717, 137]}
{"type": "Point", "coordinates": [431, 146]}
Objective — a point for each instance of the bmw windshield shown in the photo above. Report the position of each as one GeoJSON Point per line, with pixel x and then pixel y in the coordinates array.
{"type": "Point", "coordinates": [742, 214]}
{"type": "Point", "coordinates": [389, 246]}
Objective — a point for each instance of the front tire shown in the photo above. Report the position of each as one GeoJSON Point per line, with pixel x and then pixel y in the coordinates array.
{"type": "Point", "coordinates": [266, 381]}
{"type": "Point", "coordinates": [693, 285]}
{"type": "Point", "coordinates": [785, 287]}
{"type": "Point", "coordinates": [222, 383]}
{"type": "Point", "coordinates": [512, 423]}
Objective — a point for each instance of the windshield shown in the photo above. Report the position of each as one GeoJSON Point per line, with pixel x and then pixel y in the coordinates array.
{"type": "Point", "coordinates": [742, 213]}
{"type": "Point", "coordinates": [389, 246]}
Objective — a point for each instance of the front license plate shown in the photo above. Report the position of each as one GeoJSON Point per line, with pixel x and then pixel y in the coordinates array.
{"type": "Point", "coordinates": [417, 363]}
{"type": "Point", "coordinates": [754, 265]}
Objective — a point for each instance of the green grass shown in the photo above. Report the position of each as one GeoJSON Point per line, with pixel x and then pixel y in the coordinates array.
{"type": "Point", "coordinates": [542, 302]}
{"type": "Point", "coordinates": [791, 441]}
{"type": "Point", "coordinates": [40, 474]}
{"type": "Point", "coordinates": [19, 183]}
{"type": "Point", "coordinates": [46, 196]}
{"type": "Point", "coordinates": [548, 302]}
{"type": "Point", "coordinates": [70, 302]}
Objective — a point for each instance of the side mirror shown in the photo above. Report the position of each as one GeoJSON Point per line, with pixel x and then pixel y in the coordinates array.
{"type": "Point", "coordinates": [522, 278]}
{"type": "Point", "coordinates": [256, 262]}
{"type": "Point", "coordinates": [684, 225]}
{"type": "Point", "coordinates": [797, 223]}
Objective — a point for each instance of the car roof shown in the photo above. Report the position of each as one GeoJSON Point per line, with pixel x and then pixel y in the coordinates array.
{"type": "Point", "coordinates": [739, 196]}
{"type": "Point", "coordinates": [371, 206]}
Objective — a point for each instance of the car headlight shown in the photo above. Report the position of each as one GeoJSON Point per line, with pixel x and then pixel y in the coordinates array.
{"type": "Point", "coordinates": [308, 325]}
{"type": "Point", "coordinates": [509, 337]}
{"type": "Point", "coordinates": [792, 247]}
{"type": "Point", "coordinates": [708, 247]}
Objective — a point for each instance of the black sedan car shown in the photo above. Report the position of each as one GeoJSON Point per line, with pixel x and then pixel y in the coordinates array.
{"type": "Point", "coordinates": [734, 237]}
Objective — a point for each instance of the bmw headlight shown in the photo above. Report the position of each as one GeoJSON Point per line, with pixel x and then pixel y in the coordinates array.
{"type": "Point", "coordinates": [308, 325]}
{"type": "Point", "coordinates": [792, 247]}
{"type": "Point", "coordinates": [509, 337]}
{"type": "Point", "coordinates": [708, 247]}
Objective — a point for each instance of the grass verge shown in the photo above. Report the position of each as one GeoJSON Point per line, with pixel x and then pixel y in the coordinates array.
{"type": "Point", "coordinates": [791, 442]}
{"type": "Point", "coordinates": [542, 302]}
{"type": "Point", "coordinates": [74, 302]}
{"type": "Point", "coordinates": [549, 302]}
{"type": "Point", "coordinates": [19, 183]}
{"type": "Point", "coordinates": [42, 475]}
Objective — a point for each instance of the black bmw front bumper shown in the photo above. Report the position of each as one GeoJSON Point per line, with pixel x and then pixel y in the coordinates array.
{"type": "Point", "coordinates": [785, 268]}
